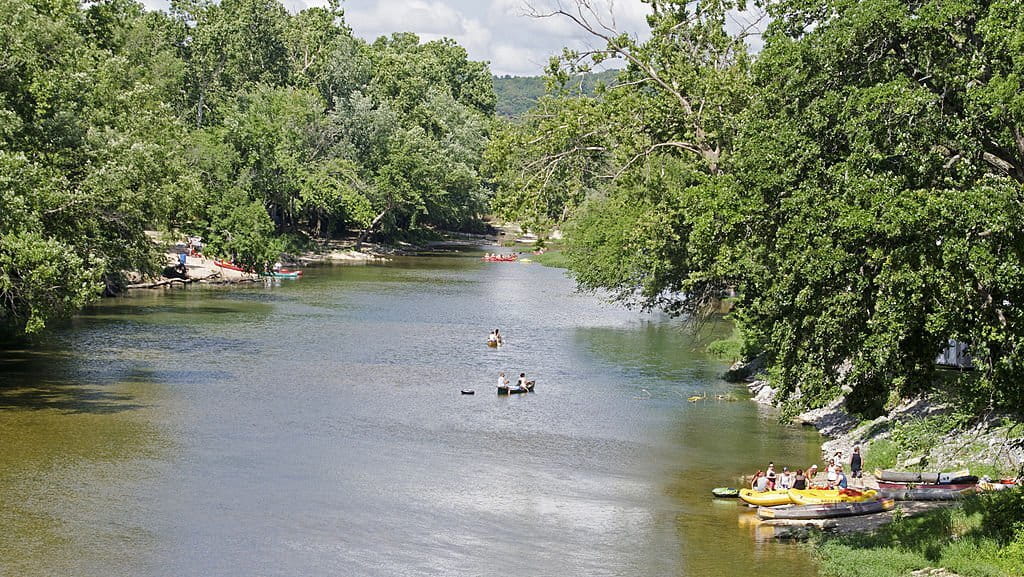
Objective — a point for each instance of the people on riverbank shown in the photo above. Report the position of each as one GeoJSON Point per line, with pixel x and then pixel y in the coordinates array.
{"type": "Point", "coordinates": [841, 482]}
{"type": "Point", "coordinates": [760, 482]}
{"type": "Point", "coordinates": [785, 480]}
{"type": "Point", "coordinates": [830, 473]}
{"type": "Point", "coordinates": [771, 476]}
{"type": "Point", "coordinates": [799, 480]}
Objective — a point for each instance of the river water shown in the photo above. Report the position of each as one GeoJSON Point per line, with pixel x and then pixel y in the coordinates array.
{"type": "Point", "coordinates": [316, 427]}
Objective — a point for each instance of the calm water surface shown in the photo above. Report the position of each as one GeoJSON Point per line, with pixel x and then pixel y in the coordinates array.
{"type": "Point", "coordinates": [316, 427]}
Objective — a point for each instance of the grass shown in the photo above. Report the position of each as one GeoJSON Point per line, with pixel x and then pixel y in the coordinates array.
{"type": "Point", "coordinates": [729, 348]}
{"type": "Point", "coordinates": [880, 454]}
{"type": "Point", "coordinates": [552, 258]}
{"type": "Point", "coordinates": [984, 537]}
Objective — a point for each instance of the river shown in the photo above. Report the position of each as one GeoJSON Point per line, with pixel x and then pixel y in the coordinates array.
{"type": "Point", "coordinates": [316, 427]}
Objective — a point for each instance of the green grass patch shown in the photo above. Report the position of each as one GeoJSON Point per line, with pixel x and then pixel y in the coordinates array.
{"type": "Point", "coordinates": [982, 538]}
{"type": "Point", "coordinates": [880, 454]}
{"type": "Point", "coordinates": [552, 258]}
{"type": "Point", "coordinates": [727, 349]}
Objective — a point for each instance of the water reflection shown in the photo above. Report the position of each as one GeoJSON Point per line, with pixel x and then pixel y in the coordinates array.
{"type": "Point", "coordinates": [317, 428]}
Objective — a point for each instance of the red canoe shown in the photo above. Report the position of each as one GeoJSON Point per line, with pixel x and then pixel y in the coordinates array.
{"type": "Point", "coordinates": [228, 265]}
{"type": "Point", "coordinates": [925, 486]}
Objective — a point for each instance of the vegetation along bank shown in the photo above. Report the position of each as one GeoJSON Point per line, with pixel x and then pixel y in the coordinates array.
{"type": "Point", "coordinates": [857, 183]}
{"type": "Point", "coordinates": [855, 186]}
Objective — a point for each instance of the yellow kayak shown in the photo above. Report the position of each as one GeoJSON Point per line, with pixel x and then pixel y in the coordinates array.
{"type": "Point", "coordinates": [823, 496]}
{"type": "Point", "coordinates": [765, 499]}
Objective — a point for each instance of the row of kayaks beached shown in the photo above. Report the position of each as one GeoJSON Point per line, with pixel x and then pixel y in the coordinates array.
{"type": "Point", "coordinates": [805, 496]}
{"type": "Point", "coordinates": [951, 478]}
{"type": "Point", "coordinates": [826, 510]}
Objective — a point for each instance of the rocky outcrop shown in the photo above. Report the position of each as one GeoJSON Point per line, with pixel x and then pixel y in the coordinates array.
{"type": "Point", "coordinates": [744, 371]}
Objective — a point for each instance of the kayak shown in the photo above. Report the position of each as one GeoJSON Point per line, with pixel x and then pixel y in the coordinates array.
{"type": "Point", "coordinates": [921, 477]}
{"type": "Point", "coordinates": [725, 492]}
{"type": "Point", "coordinates": [766, 498]}
{"type": "Point", "coordinates": [827, 510]}
{"type": "Point", "coordinates": [285, 273]}
{"type": "Point", "coordinates": [228, 265]}
{"type": "Point", "coordinates": [926, 494]}
{"type": "Point", "coordinates": [516, 390]}
{"type": "Point", "coordinates": [925, 486]}
{"type": "Point", "coordinates": [822, 496]}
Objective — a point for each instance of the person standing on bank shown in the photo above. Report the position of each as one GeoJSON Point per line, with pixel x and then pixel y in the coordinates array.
{"type": "Point", "coordinates": [856, 465]}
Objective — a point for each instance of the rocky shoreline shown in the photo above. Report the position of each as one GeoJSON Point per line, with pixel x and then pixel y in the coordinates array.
{"type": "Point", "coordinates": [200, 269]}
{"type": "Point", "coordinates": [989, 440]}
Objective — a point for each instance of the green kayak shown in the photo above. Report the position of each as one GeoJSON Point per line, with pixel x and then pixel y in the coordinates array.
{"type": "Point", "coordinates": [724, 492]}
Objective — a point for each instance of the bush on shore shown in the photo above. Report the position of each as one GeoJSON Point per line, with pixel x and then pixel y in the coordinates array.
{"type": "Point", "coordinates": [983, 537]}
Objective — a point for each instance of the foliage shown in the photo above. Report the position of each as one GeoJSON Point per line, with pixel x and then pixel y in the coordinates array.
{"type": "Point", "coordinates": [978, 539]}
{"type": "Point", "coordinates": [233, 120]}
{"type": "Point", "coordinates": [553, 259]}
{"type": "Point", "coordinates": [859, 184]}
{"type": "Point", "coordinates": [516, 95]}
{"type": "Point", "coordinates": [881, 454]}
{"type": "Point", "coordinates": [728, 349]}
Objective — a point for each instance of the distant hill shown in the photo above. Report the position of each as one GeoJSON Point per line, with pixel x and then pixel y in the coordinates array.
{"type": "Point", "coordinates": [517, 94]}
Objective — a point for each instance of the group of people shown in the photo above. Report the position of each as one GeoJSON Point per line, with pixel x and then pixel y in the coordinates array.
{"type": "Point", "coordinates": [495, 338]}
{"type": "Point", "coordinates": [521, 382]}
{"type": "Point", "coordinates": [835, 477]}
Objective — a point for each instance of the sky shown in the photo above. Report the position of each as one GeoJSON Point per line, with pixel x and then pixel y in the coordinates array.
{"type": "Point", "coordinates": [496, 31]}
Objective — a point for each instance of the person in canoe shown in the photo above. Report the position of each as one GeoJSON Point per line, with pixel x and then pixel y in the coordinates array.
{"type": "Point", "coordinates": [497, 337]}
{"type": "Point", "coordinates": [522, 383]}
{"type": "Point", "coordinates": [502, 381]}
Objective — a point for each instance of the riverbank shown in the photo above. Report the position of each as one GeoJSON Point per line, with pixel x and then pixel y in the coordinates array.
{"type": "Point", "coordinates": [204, 270]}
{"type": "Point", "coordinates": [981, 536]}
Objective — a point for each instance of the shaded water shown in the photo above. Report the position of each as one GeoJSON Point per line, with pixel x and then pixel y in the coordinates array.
{"type": "Point", "coordinates": [316, 427]}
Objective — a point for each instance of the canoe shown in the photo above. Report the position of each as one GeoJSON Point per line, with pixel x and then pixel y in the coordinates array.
{"type": "Point", "coordinates": [827, 510]}
{"type": "Point", "coordinates": [823, 496]}
{"type": "Point", "coordinates": [926, 494]}
{"type": "Point", "coordinates": [925, 486]}
{"type": "Point", "coordinates": [766, 498]}
{"type": "Point", "coordinates": [228, 265]}
{"type": "Point", "coordinates": [468, 392]}
{"type": "Point", "coordinates": [516, 390]}
{"type": "Point", "coordinates": [920, 477]}
{"type": "Point", "coordinates": [725, 492]}
{"type": "Point", "coordinates": [493, 344]}
{"type": "Point", "coordinates": [285, 273]}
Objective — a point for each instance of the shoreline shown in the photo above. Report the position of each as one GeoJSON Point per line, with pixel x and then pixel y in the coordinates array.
{"type": "Point", "coordinates": [202, 270]}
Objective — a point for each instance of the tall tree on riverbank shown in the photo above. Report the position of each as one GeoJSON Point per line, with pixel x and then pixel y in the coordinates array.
{"type": "Point", "coordinates": [233, 120]}
{"type": "Point", "coordinates": [860, 185]}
